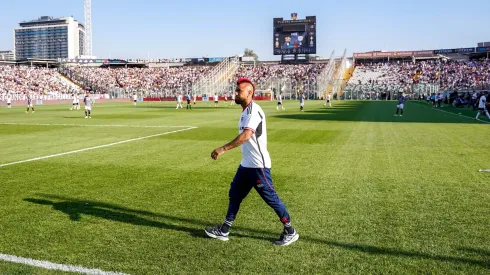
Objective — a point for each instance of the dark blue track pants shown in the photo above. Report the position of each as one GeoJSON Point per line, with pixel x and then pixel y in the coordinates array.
{"type": "Point", "coordinates": [259, 178]}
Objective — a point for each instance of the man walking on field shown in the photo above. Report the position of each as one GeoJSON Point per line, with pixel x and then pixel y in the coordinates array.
{"type": "Point", "coordinates": [254, 169]}
{"type": "Point", "coordinates": [482, 109]}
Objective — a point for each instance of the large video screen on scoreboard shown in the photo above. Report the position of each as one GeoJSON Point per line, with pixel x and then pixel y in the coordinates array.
{"type": "Point", "coordinates": [295, 36]}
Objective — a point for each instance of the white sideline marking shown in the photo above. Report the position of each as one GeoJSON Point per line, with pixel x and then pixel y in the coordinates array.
{"type": "Point", "coordinates": [54, 266]}
{"type": "Point", "coordinates": [95, 147]}
{"type": "Point", "coordinates": [455, 114]}
{"type": "Point", "coordinates": [92, 125]}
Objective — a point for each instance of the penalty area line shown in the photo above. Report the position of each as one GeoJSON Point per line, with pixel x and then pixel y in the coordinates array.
{"type": "Point", "coordinates": [96, 147]}
{"type": "Point", "coordinates": [55, 266]}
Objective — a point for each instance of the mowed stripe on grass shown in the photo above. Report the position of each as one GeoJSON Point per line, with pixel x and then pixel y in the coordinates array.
{"type": "Point", "coordinates": [95, 147]}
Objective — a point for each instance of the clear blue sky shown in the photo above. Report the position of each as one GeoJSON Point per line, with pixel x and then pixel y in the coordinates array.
{"type": "Point", "coordinates": [182, 28]}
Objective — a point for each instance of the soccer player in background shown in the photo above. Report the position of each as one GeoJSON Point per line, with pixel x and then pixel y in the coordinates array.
{"type": "Point", "coordinates": [400, 105]}
{"type": "Point", "coordinates": [254, 169]}
{"type": "Point", "coordinates": [216, 100]}
{"type": "Point", "coordinates": [29, 103]}
{"type": "Point", "coordinates": [74, 102]}
{"type": "Point", "coordinates": [482, 108]}
{"type": "Point", "coordinates": [189, 105]}
{"type": "Point", "coordinates": [179, 101]}
{"type": "Point", "coordinates": [226, 99]}
{"type": "Point", "coordinates": [328, 100]}
{"type": "Point", "coordinates": [279, 102]}
{"type": "Point", "coordinates": [77, 100]}
{"type": "Point", "coordinates": [9, 100]}
{"type": "Point", "coordinates": [87, 100]}
{"type": "Point", "coordinates": [195, 98]}
{"type": "Point", "coordinates": [232, 99]}
{"type": "Point", "coordinates": [135, 99]}
{"type": "Point", "coordinates": [301, 102]}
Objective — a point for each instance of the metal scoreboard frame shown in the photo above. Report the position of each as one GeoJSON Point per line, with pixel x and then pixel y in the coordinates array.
{"type": "Point", "coordinates": [294, 36]}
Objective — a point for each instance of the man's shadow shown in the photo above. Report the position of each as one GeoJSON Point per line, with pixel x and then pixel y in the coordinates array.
{"type": "Point", "coordinates": [75, 208]}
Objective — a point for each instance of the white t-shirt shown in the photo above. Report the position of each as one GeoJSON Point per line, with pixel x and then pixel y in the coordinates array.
{"type": "Point", "coordinates": [179, 99]}
{"type": "Point", "coordinates": [215, 98]}
{"type": "Point", "coordinates": [279, 98]}
{"type": "Point", "coordinates": [328, 97]}
{"type": "Point", "coordinates": [9, 99]}
{"type": "Point", "coordinates": [135, 97]}
{"type": "Point", "coordinates": [254, 151]}
{"type": "Point", "coordinates": [483, 99]}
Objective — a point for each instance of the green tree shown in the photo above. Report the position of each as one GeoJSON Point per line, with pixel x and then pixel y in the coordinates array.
{"type": "Point", "coordinates": [250, 52]}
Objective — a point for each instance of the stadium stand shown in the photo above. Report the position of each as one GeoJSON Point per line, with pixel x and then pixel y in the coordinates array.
{"type": "Point", "coordinates": [35, 80]}
{"type": "Point", "coordinates": [389, 77]}
{"type": "Point", "coordinates": [369, 80]}
{"type": "Point", "coordinates": [169, 80]}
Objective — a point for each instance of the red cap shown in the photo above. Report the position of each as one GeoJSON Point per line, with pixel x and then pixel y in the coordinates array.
{"type": "Point", "coordinates": [244, 80]}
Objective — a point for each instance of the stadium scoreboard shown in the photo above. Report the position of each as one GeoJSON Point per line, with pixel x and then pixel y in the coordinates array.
{"type": "Point", "coordinates": [295, 36]}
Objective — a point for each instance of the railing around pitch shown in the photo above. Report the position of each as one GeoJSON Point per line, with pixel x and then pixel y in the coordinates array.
{"type": "Point", "coordinates": [339, 75]}
{"type": "Point", "coordinates": [325, 76]}
{"type": "Point", "coordinates": [217, 80]}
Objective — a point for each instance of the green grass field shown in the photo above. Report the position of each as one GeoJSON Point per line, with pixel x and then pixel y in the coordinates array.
{"type": "Point", "coordinates": [369, 193]}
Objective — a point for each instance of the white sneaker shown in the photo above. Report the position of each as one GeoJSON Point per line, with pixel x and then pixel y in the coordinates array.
{"type": "Point", "coordinates": [86, 117]}
{"type": "Point", "coordinates": [215, 232]}
{"type": "Point", "coordinates": [287, 239]}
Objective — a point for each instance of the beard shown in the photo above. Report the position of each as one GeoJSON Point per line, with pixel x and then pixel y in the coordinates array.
{"type": "Point", "coordinates": [238, 100]}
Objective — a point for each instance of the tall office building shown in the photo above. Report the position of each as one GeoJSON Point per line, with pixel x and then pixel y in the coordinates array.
{"type": "Point", "coordinates": [49, 38]}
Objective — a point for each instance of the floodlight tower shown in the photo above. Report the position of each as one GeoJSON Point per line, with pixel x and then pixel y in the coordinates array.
{"type": "Point", "coordinates": [88, 27]}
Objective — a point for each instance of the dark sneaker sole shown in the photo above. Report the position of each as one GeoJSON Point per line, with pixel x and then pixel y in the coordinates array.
{"type": "Point", "coordinates": [221, 238]}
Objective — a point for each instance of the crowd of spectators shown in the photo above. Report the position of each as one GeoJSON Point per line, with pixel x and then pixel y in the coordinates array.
{"type": "Point", "coordinates": [34, 80]}
{"type": "Point", "coordinates": [172, 79]}
{"type": "Point", "coordinates": [297, 77]}
{"type": "Point", "coordinates": [378, 78]}
{"type": "Point", "coordinates": [448, 74]}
